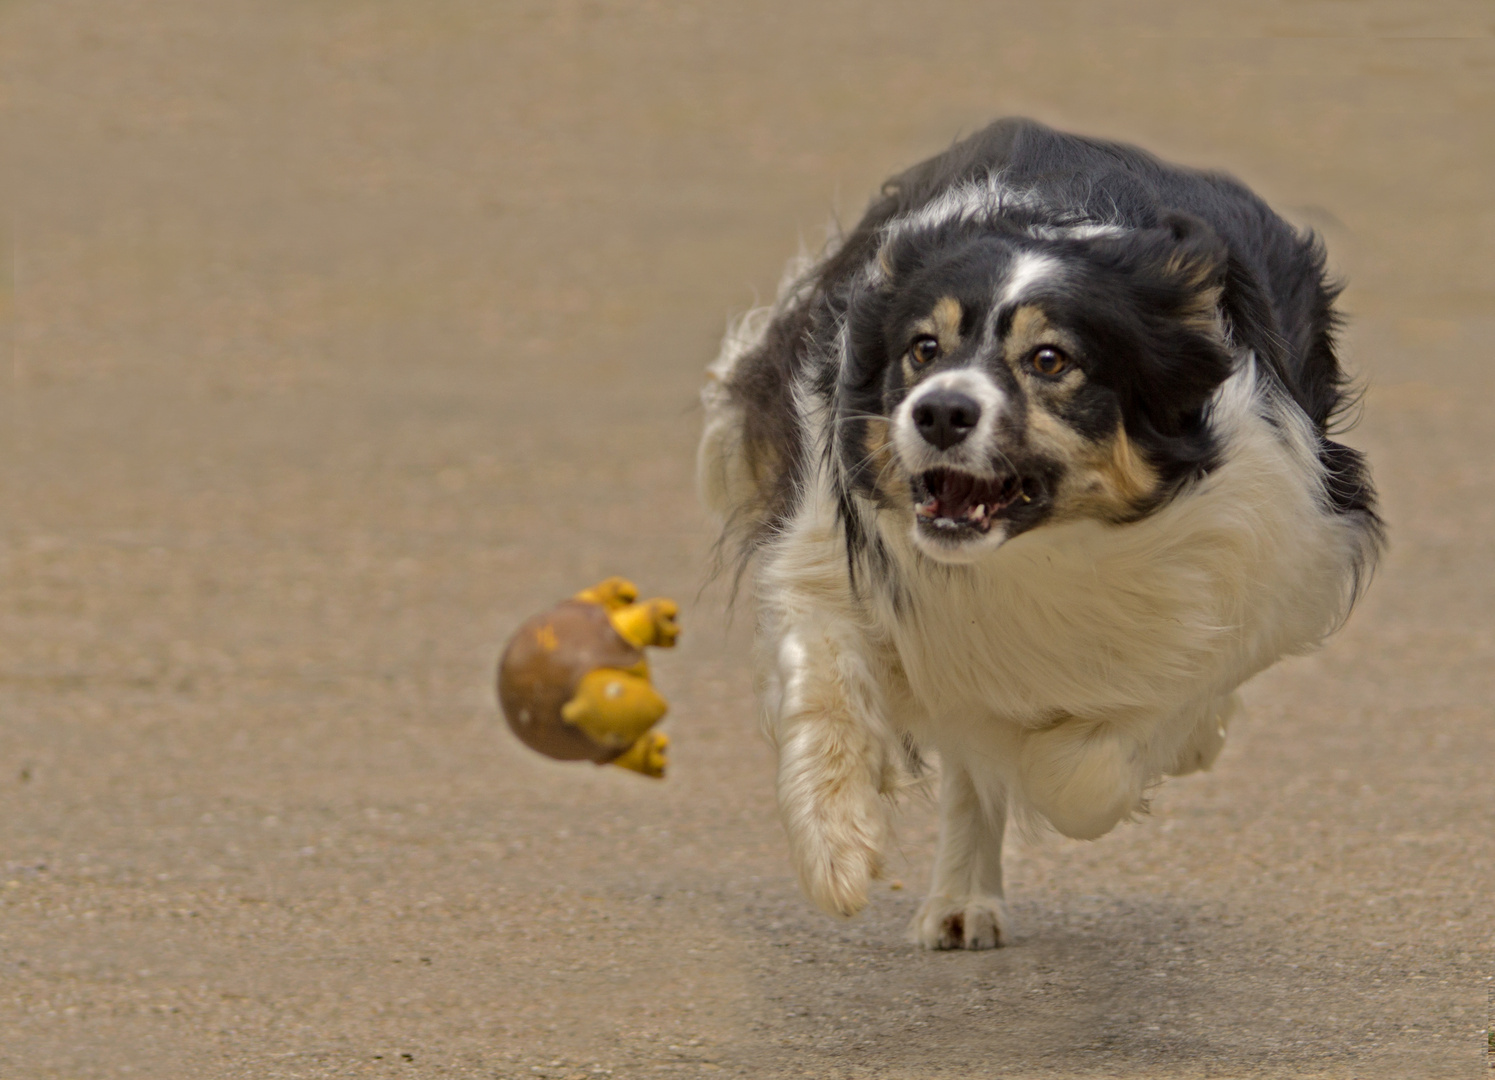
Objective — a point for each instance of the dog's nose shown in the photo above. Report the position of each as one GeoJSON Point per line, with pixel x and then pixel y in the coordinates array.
{"type": "Point", "coordinates": [946, 417]}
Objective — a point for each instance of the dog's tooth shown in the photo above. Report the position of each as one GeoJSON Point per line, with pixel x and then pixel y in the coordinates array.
{"type": "Point", "coordinates": [978, 512]}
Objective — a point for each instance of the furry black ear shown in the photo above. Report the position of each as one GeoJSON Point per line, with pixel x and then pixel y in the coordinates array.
{"type": "Point", "coordinates": [1179, 264]}
{"type": "Point", "coordinates": [862, 369]}
{"type": "Point", "coordinates": [1155, 300]}
{"type": "Point", "coordinates": [1198, 257]}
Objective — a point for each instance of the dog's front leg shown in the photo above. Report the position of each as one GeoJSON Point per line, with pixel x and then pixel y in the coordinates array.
{"type": "Point", "coordinates": [964, 908]}
{"type": "Point", "coordinates": [836, 759]}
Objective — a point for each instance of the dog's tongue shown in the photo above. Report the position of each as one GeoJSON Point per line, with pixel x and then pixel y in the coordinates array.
{"type": "Point", "coordinates": [952, 492]}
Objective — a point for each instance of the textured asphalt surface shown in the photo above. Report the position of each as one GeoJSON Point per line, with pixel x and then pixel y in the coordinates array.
{"type": "Point", "coordinates": [342, 336]}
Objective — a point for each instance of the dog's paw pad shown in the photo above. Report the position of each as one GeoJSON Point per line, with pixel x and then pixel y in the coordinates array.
{"type": "Point", "coordinates": [973, 922]}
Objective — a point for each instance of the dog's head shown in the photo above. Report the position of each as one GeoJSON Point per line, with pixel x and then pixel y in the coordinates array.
{"type": "Point", "coordinates": [995, 381]}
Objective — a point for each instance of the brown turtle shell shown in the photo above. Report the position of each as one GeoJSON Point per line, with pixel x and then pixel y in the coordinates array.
{"type": "Point", "coordinates": [541, 668]}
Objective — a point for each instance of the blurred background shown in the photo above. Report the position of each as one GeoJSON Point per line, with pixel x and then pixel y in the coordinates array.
{"type": "Point", "coordinates": [340, 337]}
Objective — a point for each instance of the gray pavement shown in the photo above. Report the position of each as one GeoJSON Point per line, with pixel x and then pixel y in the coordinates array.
{"type": "Point", "coordinates": [343, 336]}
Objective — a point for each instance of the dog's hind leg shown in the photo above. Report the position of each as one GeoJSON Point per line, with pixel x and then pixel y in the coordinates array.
{"type": "Point", "coordinates": [964, 909]}
{"type": "Point", "coordinates": [837, 759]}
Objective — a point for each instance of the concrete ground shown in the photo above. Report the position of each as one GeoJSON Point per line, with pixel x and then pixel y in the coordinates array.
{"type": "Point", "coordinates": [343, 336]}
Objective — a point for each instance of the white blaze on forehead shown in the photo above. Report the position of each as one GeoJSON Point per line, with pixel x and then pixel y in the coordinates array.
{"type": "Point", "coordinates": [1027, 271]}
{"type": "Point", "coordinates": [976, 383]}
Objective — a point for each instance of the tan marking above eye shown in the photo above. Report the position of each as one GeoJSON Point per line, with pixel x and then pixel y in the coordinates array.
{"type": "Point", "coordinates": [942, 325]}
{"type": "Point", "coordinates": [1029, 323]}
{"type": "Point", "coordinates": [946, 315]}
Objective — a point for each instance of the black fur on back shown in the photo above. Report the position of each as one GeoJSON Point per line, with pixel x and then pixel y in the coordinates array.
{"type": "Point", "coordinates": [1276, 297]}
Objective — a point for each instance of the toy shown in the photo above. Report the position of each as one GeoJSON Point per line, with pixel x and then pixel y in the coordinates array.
{"type": "Point", "coordinates": [574, 684]}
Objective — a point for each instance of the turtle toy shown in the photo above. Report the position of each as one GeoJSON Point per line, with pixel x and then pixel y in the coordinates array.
{"type": "Point", "coordinates": [573, 681]}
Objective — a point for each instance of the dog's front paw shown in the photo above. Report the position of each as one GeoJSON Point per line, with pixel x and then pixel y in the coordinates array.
{"type": "Point", "coordinates": [836, 837]}
{"type": "Point", "coordinates": [970, 922]}
{"type": "Point", "coordinates": [834, 815]}
{"type": "Point", "coordinates": [837, 860]}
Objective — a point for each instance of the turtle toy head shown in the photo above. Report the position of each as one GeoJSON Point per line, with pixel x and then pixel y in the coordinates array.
{"type": "Point", "coordinates": [611, 593]}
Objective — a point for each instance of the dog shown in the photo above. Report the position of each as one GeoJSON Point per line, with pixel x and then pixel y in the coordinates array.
{"type": "Point", "coordinates": [1035, 468]}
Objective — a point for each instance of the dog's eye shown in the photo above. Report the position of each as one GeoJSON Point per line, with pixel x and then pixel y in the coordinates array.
{"type": "Point", "coordinates": [924, 349]}
{"type": "Point", "coordinates": [1048, 361]}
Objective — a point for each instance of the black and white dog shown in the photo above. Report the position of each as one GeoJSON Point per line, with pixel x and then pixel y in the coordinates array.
{"type": "Point", "coordinates": [1035, 465]}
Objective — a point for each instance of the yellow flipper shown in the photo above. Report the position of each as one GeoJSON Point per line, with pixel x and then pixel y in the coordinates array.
{"type": "Point", "coordinates": [614, 708]}
{"type": "Point", "coordinates": [646, 756]}
{"type": "Point", "coordinates": [649, 623]}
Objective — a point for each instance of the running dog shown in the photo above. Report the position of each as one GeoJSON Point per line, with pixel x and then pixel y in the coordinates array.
{"type": "Point", "coordinates": [1035, 467]}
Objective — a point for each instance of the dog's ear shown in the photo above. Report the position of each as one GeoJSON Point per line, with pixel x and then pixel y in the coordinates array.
{"type": "Point", "coordinates": [862, 367]}
{"type": "Point", "coordinates": [1195, 263]}
{"type": "Point", "coordinates": [1166, 283]}
{"type": "Point", "coordinates": [1179, 261]}
{"type": "Point", "coordinates": [1177, 268]}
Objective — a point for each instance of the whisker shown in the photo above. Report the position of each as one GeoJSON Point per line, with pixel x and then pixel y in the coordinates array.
{"type": "Point", "coordinates": [882, 470]}
{"type": "Point", "coordinates": [859, 416]}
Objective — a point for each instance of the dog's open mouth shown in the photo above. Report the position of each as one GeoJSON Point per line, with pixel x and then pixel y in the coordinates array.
{"type": "Point", "coordinates": [951, 502]}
